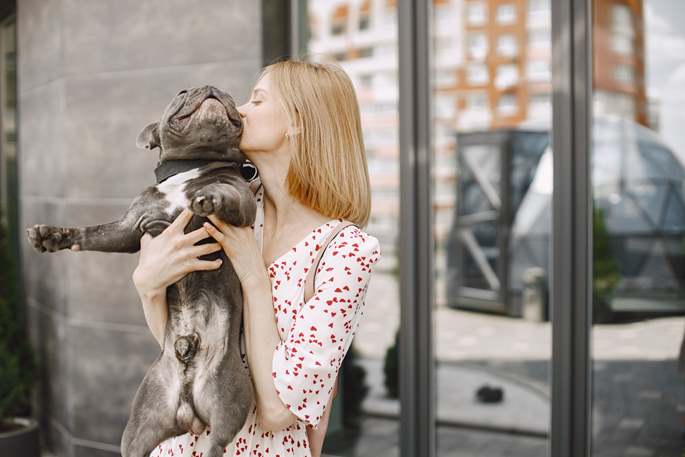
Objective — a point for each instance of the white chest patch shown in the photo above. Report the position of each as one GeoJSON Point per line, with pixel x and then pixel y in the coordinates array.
{"type": "Point", "coordinates": [174, 190]}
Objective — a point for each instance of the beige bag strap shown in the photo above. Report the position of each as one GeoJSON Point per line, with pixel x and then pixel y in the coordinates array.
{"type": "Point", "coordinates": [309, 281]}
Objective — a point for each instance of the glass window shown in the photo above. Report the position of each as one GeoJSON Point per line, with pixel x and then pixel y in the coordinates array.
{"type": "Point", "coordinates": [614, 104]}
{"type": "Point", "coordinates": [339, 20]}
{"type": "Point", "coordinates": [539, 38]}
{"type": "Point", "coordinates": [506, 13]}
{"type": "Point", "coordinates": [477, 100]}
{"type": "Point", "coordinates": [624, 74]}
{"type": "Point", "coordinates": [371, 368]}
{"type": "Point", "coordinates": [478, 45]}
{"type": "Point", "coordinates": [539, 6]}
{"type": "Point", "coordinates": [507, 105]}
{"type": "Point", "coordinates": [365, 52]}
{"type": "Point", "coordinates": [492, 338]}
{"type": "Point", "coordinates": [365, 16]}
{"type": "Point", "coordinates": [622, 30]}
{"type": "Point", "coordinates": [507, 45]}
{"type": "Point", "coordinates": [446, 77]}
{"type": "Point", "coordinates": [477, 74]}
{"type": "Point", "coordinates": [476, 13]}
{"type": "Point", "coordinates": [638, 228]}
{"type": "Point", "coordinates": [540, 107]}
{"type": "Point", "coordinates": [538, 70]}
{"type": "Point", "coordinates": [507, 76]}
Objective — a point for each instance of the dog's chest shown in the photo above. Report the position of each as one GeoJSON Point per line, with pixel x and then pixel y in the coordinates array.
{"type": "Point", "coordinates": [173, 190]}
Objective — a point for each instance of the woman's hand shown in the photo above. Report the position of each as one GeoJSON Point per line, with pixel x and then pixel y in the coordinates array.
{"type": "Point", "coordinates": [240, 245]}
{"type": "Point", "coordinates": [171, 255]}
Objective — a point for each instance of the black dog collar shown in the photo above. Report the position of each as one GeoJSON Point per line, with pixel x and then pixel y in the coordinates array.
{"type": "Point", "coordinates": [170, 168]}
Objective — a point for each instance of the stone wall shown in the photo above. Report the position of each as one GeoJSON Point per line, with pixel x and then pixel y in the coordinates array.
{"type": "Point", "coordinates": [91, 75]}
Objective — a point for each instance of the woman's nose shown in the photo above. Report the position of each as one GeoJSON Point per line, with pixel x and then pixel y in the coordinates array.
{"type": "Point", "coordinates": [241, 110]}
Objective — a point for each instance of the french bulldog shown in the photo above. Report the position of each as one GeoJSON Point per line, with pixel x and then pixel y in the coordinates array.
{"type": "Point", "coordinates": [199, 379]}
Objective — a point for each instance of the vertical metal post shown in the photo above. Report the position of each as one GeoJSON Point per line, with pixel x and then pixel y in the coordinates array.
{"type": "Point", "coordinates": [571, 228]}
{"type": "Point", "coordinates": [417, 386]}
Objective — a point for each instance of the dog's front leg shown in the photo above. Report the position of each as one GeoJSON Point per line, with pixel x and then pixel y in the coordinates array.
{"type": "Point", "coordinates": [232, 203]}
{"type": "Point", "coordinates": [118, 236]}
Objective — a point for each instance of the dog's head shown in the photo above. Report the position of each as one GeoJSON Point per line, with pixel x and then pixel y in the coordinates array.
{"type": "Point", "coordinates": [199, 123]}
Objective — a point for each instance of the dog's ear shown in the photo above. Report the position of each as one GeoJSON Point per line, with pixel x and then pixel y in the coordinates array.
{"type": "Point", "coordinates": [148, 138]}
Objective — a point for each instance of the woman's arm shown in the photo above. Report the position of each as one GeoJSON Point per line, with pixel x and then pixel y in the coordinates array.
{"type": "Point", "coordinates": [261, 333]}
{"type": "Point", "coordinates": [261, 339]}
{"type": "Point", "coordinates": [165, 259]}
{"type": "Point", "coordinates": [156, 313]}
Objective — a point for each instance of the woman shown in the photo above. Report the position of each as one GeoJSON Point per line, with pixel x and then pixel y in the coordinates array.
{"type": "Point", "coordinates": [302, 131]}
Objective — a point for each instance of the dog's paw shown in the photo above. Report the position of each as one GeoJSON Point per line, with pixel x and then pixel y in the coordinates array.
{"type": "Point", "coordinates": [204, 205]}
{"type": "Point", "coordinates": [48, 238]}
{"type": "Point", "coordinates": [212, 201]}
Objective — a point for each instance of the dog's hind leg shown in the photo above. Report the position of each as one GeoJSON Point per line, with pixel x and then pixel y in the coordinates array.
{"type": "Point", "coordinates": [153, 413]}
{"type": "Point", "coordinates": [226, 398]}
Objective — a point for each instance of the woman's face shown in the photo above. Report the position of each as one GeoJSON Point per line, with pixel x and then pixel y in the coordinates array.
{"type": "Point", "coordinates": [264, 121]}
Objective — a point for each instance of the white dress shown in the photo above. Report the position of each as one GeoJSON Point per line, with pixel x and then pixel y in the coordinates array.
{"type": "Point", "coordinates": [315, 337]}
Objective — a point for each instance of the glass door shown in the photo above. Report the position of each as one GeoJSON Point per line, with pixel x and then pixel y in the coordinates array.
{"type": "Point", "coordinates": [638, 172]}
{"type": "Point", "coordinates": [492, 203]}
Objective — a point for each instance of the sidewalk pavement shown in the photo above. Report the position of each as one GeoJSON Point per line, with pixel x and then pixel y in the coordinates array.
{"type": "Point", "coordinates": [525, 409]}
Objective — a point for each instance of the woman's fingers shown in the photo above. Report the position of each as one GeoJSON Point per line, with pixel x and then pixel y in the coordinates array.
{"type": "Point", "coordinates": [221, 225]}
{"type": "Point", "coordinates": [214, 232]}
{"type": "Point", "coordinates": [198, 264]}
{"type": "Point", "coordinates": [197, 235]}
{"type": "Point", "coordinates": [181, 220]}
{"type": "Point", "coordinates": [145, 239]}
{"type": "Point", "coordinates": [203, 249]}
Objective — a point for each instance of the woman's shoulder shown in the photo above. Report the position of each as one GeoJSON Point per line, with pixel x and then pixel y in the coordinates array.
{"type": "Point", "coordinates": [354, 241]}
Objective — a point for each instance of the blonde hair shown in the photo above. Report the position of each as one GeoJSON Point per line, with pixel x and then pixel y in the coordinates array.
{"type": "Point", "coordinates": [328, 171]}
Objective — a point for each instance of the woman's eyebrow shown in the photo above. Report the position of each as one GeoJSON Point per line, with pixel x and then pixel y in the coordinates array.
{"type": "Point", "coordinates": [258, 90]}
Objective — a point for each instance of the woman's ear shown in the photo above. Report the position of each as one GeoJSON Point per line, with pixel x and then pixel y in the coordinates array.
{"type": "Point", "coordinates": [148, 138]}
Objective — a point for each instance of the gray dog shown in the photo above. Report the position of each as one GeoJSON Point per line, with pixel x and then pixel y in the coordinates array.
{"type": "Point", "coordinates": [198, 380]}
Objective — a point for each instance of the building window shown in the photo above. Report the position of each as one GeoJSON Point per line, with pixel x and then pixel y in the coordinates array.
{"type": "Point", "coordinates": [477, 74]}
{"type": "Point", "coordinates": [477, 101]}
{"type": "Point", "coordinates": [540, 107]}
{"type": "Point", "coordinates": [539, 39]}
{"type": "Point", "coordinates": [475, 13]}
{"type": "Point", "coordinates": [365, 80]}
{"type": "Point", "coordinates": [507, 46]}
{"type": "Point", "coordinates": [478, 45]}
{"type": "Point", "coordinates": [339, 20]}
{"type": "Point", "coordinates": [507, 105]}
{"type": "Point", "coordinates": [506, 14]}
{"type": "Point", "coordinates": [445, 107]}
{"type": "Point", "coordinates": [538, 6]}
{"type": "Point", "coordinates": [507, 76]}
{"type": "Point", "coordinates": [365, 16]}
{"type": "Point", "coordinates": [446, 77]}
{"type": "Point", "coordinates": [538, 71]}
{"type": "Point", "coordinates": [622, 30]}
{"type": "Point", "coordinates": [624, 74]}
{"type": "Point", "coordinates": [365, 52]}
{"type": "Point", "coordinates": [614, 104]}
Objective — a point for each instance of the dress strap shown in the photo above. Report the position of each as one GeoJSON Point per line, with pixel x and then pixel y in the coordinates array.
{"type": "Point", "coordinates": [309, 280]}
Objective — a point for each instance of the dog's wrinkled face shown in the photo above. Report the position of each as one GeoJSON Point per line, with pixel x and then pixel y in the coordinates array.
{"type": "Point", "coordinates": [199, 123]}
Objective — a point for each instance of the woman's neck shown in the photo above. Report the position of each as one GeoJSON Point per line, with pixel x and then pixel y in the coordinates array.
{"type": "Point", "coordinates": [282, 210]}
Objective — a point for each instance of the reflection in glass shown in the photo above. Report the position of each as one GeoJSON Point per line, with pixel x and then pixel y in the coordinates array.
{"type": "Point", "coordinates": [638, 229]}
{"type": "Point", "coordinates": [361, 37]}
{"type": "Point", "coordinates": [491, 328]}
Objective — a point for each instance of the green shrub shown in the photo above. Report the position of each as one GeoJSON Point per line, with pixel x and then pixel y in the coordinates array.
{"type": "Point", "coordinates": [391, 368]}
{"type": "Point", "coordinates": [17, 363]}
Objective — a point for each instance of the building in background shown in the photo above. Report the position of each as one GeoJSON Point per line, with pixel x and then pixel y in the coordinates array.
{"type": "Point", "coordinates": [491, 70]}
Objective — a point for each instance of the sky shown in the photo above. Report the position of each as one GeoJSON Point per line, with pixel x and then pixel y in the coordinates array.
{"type": "Point", "coordinates": [665, 67]}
